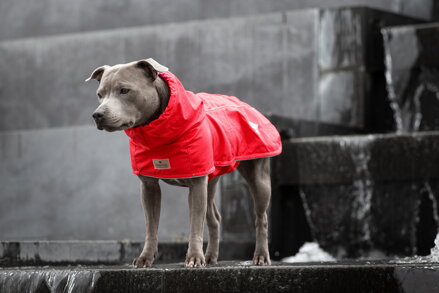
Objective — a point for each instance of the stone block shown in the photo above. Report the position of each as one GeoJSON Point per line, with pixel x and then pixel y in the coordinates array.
{"type": "Point", "coordinates": [386, 157]}
{"type": "Point", "coordinates": [374, 21]}
{"type": "Point", "coordinates": [412, 75]}
{"type": "Point", "coordinates": [350, 58]}
{"type": "Point", "coordinates": [343, 97]}
{"type": "Point", "coordinates": [53, 17]}
{"type": "Point", "coordinates": [349, 186]}
{"type": "Point", "coordinates": [341, 38]}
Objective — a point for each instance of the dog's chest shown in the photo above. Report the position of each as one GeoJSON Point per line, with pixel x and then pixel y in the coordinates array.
{"type": "Point", "coordinates": [177, 182]}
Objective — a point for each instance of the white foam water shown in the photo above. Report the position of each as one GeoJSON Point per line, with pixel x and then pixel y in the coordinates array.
{"type": "Point", "coordinates": [48, 280]}
{"type": "Point", "coordinates": [310, 252]}
{"type": "Point", "coordinates": [433, 257]}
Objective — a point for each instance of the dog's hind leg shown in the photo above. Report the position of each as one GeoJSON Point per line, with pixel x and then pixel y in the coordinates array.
{"type": "Point", "coordinates": [257, 174]}
{"type": "Point", "coordinates": [213, 218]}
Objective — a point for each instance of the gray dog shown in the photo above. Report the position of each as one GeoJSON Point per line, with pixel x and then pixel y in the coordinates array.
{"type": "Point", "coordinates": [189, 140]}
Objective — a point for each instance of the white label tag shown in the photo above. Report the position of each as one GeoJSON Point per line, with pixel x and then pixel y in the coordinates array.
{"type": "Point", "coordinates": [161, 164]}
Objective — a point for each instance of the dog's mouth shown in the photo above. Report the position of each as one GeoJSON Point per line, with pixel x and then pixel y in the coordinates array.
{"type": "Point", "coordinates": [111, 128]}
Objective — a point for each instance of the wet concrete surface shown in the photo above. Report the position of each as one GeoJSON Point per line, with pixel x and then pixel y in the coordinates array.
{"type": "Point", "coordinates": [229, 276]}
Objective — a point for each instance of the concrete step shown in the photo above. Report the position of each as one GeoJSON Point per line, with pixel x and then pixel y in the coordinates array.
{"type": "Point", "coordinates": [300, 63]}
{"type": "Point", "coordinates": [87, 174]}
{"type": "Point", "coordinates": [99, 252]}
{"type": "Point", "coordinates": [357, 196]}
{"type": "Point", "coordinates": [412, 75]}
{"type": "Point", "coordinates": [76, 183]}
{"type": "Point", "coordinates": [20, 19]}
{"type": "Point", "coordinates": [227, 277]}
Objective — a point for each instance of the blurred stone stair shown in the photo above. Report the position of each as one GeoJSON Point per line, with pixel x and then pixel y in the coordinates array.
{"type": "Point", "coordinates": [286, 63]}
{"type": "Point", "coordinates": [375, 195]}
{"type": "Point", "coordinates": [300, 63]}
{"type": "Point", "coordinates": [22, 19]}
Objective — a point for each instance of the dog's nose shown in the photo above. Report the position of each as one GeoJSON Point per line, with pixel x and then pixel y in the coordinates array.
{"type": "Point", "coordinates": [97, 115]}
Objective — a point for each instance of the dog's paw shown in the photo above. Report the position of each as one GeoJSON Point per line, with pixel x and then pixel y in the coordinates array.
{"type": "Point", "coordinates": [194, 260]}
{"type": "Point", "coordinates": [262, 259]}
{"type": "Point", "coordinates": [210, 259]}
{"type": "Point", "coordinates": [143, 262]}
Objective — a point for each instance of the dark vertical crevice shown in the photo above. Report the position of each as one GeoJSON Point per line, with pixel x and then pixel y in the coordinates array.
{"type": "Point", "coordinates": [426, 229]}
{"type": "Point", "coordinates": [290, 228]}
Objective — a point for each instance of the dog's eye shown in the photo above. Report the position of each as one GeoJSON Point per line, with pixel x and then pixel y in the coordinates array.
{"type": "Point", "coordinates": [124, 91]}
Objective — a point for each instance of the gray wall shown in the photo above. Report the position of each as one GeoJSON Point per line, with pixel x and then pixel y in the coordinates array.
{"type": "Point", "coordinates": [76, 183]}
{"type": "Point", "coordinates": [22, 18]}
{"type": "Point", "coordinates": [274, 62]}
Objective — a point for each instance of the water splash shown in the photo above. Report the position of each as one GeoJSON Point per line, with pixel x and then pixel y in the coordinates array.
{"type": "Point", "coordinates": [354, 212]}
{"type": "Point", "coordinates": [54, 281]}
{"type": "Point", "coordinates": [308, 214]}
{"type": "Point", "coordinates": [391, 94]}
{"type": "Point", "coordinates": [363, 184]}
{"type": "Point", "coordinates": [401, 52]}
{"type": "Point", "coordinates": [434, 204]}
{"type": "Point", "coordinates": [425, 86]}
{"type": "Point", "coordinates": [433, 257]}
{"type": "Point", "coordinates": [417, 104]}
{"type": "Point", "coordinates": [310, 252]}
{"type": "Point", "coordinates": [434, 252]}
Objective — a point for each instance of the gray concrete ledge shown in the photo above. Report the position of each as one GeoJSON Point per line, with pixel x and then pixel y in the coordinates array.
{"type": "Point", "coordinates": [228, 277]}
{"type": "Point", "coordinates": [338, 159]}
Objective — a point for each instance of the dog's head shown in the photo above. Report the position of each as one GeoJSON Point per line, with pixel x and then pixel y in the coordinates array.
{"type": "Point", "coordinates": [127, 94]}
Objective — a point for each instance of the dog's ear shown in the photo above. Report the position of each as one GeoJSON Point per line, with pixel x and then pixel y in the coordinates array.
{"type": "Point", "coordinates": [151, 67]}
{"type": "Point", "coordinates": [97, 73]}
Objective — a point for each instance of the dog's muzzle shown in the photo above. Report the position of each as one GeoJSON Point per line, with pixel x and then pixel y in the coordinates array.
{"type": "Point", "coordinates": [98, 116]}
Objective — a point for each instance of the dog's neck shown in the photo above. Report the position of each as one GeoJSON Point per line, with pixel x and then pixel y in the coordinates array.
{"type": "Point", "coordinates": [163, 93]}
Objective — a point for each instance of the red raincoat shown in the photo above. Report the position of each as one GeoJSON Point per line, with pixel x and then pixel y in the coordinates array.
{"type": "Point", "coordinates": [200, 134]}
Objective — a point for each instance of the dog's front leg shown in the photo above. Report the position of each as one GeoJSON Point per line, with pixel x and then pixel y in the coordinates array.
{"type": "Point", "coordinates": [151, 200]}
{"type": "Point", "coordinates": [197, 214]}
